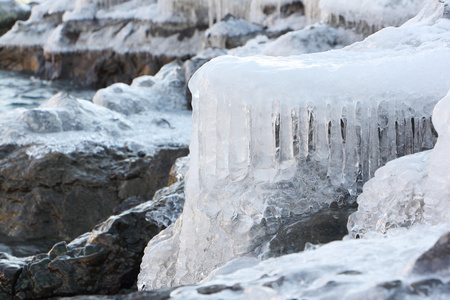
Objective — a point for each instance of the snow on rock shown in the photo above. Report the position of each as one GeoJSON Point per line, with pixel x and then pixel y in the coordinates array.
{"type": "Point", "coordinates": [164, 91]}
{"type": "Point", "coordinates": [289, 136]}
{"type": "Point", "coordinates": [66, 124]}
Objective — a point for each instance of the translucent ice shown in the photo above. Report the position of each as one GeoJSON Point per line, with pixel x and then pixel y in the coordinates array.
{"type": "Point", "coordinates": [276, 137]}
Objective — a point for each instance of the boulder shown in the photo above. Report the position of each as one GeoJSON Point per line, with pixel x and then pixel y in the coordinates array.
{"type": "Point", "coordinates": [61, 195]}
{"type": "Point", "coordinates": [103, 261]}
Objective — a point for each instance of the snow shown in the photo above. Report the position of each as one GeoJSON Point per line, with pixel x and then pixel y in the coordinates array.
{"type": "Point", "coordinates": [278, 136]}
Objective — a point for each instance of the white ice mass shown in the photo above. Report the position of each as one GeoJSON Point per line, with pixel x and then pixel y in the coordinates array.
{"type": "Point", "coordinates": [274, 137]}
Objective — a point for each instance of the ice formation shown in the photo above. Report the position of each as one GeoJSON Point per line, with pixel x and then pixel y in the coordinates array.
{"type": "Point", "coordinates": [410, 190]}
{"type": "Point", "coordinates": [287, 136]}
{"type": "Point", "coordinates": [376, 268]}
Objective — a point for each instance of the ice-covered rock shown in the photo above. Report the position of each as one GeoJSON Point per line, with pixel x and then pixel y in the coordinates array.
{"type": "Point", "coordinates": [10, 12]}
{"type": "Point", "coordinates": [315, 38]}
{"type": "Point", "coordinates": [378, 268]}
{"type": "Point", "coordinates": [231, 32]}
{"type": "Point", "coordinates": [302, 133]}
{"type": "Point", "coordinates": [66, 124]}
{"type": "Point", "coordinates": [163, 92]}
{"type": "Point", "coordinates": [70, 159]}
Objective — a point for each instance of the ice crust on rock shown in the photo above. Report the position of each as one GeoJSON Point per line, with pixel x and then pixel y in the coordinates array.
{"type": "Point", "coordinates": [375, 268]}
{"type": "Point", "coordinates": [303, 132]}
{"type": "Point", "coordinates": [163, 92]}
{"type": "Point", "coordinates": [67, 124]}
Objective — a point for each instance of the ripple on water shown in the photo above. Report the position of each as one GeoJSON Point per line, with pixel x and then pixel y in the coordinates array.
{"type": "Point", "coordinates": [22, 90]}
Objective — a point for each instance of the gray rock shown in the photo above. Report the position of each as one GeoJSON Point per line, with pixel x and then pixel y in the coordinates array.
{"type": "Point", "coordinates": [321, 228]}
{"type": "Point", "coordinates": [63, 195]}
{"type": "Point", "coordinates": [436, 260]}
{"type": "Point", "coordinates": [103, 261]}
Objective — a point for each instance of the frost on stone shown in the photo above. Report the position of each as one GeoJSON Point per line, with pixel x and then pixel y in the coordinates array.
{"type": "Point", "coordinates": [275, 138]}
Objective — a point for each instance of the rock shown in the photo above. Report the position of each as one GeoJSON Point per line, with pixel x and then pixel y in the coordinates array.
{"type": "Point", "coordinates": [10, 269]}
{"type": "Point", "coordinates": [436, 260]}
{"type": "Point", "coordinates": [61, 195]}
{"type": "Point", "coordinates": [103, 261]}
{"type": "Point", "coordinates": [320, 228]}
{"type": "Point", "coordinates": [231, 32]}
{"type": "Point", "coordinates": [10, 12]}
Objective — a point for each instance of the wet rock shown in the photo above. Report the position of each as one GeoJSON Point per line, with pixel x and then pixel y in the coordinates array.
{"type": "Point", "coordinates": [323, 227]}
{"type": "Point", "coordinates": [63, 195]}
{"type": "Point", "coordinates": [436, 260]}
{"type": "Point", "coordinates": [103, 261]}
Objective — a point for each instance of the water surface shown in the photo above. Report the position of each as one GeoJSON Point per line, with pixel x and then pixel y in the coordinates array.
{"type": "Point", "coordinates": [23, 90]}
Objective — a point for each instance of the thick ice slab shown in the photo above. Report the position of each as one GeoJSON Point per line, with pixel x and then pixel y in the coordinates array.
{"type": "Point", "coordinates": [278, 137]}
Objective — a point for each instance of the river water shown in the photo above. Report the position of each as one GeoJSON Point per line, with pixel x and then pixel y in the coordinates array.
{"type": "Point", "coordinates": [24, 90]}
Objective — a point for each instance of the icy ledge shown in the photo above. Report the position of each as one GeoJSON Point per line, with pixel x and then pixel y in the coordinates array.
{"type": "Point", "coordinates": [277, 138]}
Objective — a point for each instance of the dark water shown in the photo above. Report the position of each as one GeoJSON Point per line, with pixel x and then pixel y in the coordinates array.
{"type": "Point", "coordinates": [23, 90]}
